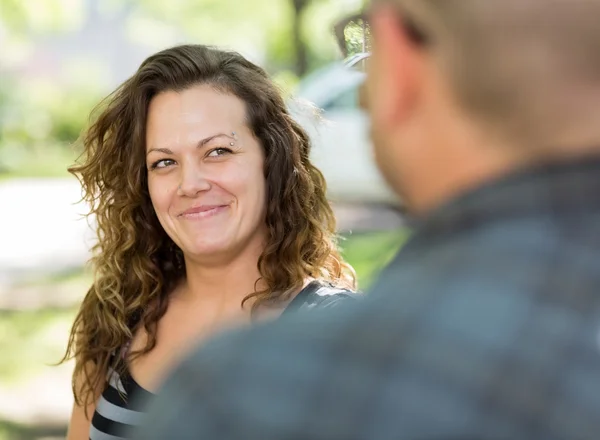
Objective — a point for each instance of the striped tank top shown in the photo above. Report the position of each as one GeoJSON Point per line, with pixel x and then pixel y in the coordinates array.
{"type": "Point", "coordinates": [121, 405]}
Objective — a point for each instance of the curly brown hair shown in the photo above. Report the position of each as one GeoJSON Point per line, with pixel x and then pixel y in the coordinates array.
{"type": "Point", "coordinates": [135, 261]}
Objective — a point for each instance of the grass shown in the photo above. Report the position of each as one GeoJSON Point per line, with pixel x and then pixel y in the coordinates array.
{"type": "Point", "coordinates": [368, 253]}
{"type": "Point", "coordinates": [16, 431]}
{"type": "Point", "coordinates": [31, 340]}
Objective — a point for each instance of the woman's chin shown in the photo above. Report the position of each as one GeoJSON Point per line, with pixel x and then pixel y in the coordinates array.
{"type": "Point", "coordinates": [208, 249]}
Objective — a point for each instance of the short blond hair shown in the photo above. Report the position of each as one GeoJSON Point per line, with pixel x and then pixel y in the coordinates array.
{"type": "Point", "coordinates": [530, 68]}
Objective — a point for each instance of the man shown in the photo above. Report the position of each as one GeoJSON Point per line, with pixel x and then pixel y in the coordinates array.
{"type": "Point", "coordinates": [486, 120]}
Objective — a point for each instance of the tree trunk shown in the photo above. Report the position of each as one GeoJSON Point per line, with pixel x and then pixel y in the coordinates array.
{"type": "Point", "coordinates": [300, 48]}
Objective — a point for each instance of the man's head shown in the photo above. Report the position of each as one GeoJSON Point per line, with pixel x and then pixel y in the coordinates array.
{"type": "Point", "coordinates": [461, 91]}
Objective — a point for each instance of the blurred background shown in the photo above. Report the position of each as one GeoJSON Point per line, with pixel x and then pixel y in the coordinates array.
{"type": "Point", "coordinates": [58, 58]}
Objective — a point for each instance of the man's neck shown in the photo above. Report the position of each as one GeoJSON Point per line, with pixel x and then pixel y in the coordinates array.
{"type": "Point", "coordinates": [455, 177]}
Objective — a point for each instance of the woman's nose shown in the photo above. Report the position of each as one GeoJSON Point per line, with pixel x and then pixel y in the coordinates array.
{"type": "Point", "coordinates": [193, 181]}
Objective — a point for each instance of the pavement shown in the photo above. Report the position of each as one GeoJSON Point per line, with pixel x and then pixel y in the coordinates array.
{"type": "Point", "coordinates": [42, 228]}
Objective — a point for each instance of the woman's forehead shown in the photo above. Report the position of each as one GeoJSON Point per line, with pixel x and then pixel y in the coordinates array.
{"type": "Point", "coordinates": [200, 109]}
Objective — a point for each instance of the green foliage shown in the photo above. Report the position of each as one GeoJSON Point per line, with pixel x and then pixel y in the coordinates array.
{"type": "Point", "coordinates": [45, 112]}
{"type": "Point", "coordinates": [39, 125]}
{"type": "Point", "coordinates": [318, 31]}
{"type": "Point", "coordinates": [40, 114]}
{"type": "Point", "coordinates": [41, 16]}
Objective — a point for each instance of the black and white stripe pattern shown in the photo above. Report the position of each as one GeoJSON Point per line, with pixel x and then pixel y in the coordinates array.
{"type": "Point", "coordinates": [119, 408]}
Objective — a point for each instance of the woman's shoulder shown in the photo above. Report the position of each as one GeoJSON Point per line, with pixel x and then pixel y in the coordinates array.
{"type": "Point", "coordinates": [321, 294]}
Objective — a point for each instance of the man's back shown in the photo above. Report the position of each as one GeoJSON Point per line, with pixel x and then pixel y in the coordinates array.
{"type": "Point", "coordinates": [484, 327]}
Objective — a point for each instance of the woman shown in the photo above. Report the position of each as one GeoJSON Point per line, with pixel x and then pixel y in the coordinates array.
{"type": "Point", "coordinates": [209, 215]}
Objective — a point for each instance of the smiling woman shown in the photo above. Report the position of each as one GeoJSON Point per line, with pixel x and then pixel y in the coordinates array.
{"type": "Point", "coordinates": [190, 153]}
{"type": "Point", "coordinates": [210, 215]}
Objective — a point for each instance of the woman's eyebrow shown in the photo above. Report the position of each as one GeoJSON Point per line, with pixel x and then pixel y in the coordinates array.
{"type": "Point", "coordinates": [210, 138]}
{"type": "Point", "coordinates": [201, 143]}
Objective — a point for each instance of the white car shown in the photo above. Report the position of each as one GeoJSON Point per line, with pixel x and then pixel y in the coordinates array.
{"type": "Point", "coordinates": [326, 105]}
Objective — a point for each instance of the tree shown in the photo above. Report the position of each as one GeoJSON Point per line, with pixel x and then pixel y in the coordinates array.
{"type": "Point", "coordinates": [300, 49]}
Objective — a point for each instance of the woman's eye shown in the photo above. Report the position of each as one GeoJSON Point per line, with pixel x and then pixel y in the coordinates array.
{"type": "Point", "coordinates": [163, 163]}
{"type": "Point", "coordinates": [219, 152]}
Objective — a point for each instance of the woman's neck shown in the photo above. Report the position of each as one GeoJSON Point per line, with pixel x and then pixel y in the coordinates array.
{"type": "Point", "coordinates": [225, 280]}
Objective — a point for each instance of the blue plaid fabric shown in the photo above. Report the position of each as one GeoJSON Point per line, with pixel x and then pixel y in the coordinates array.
{"type": "Point", "coordinates": [485, 326]}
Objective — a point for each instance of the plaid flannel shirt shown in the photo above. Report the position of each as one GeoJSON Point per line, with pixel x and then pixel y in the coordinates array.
{"type": "Point", "coordinates": [485, 326]}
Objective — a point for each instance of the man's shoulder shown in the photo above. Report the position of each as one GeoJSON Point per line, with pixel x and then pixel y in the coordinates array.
{"type": "Point", "coordinates": [321, 295]}
{"type": "Point", "coordinates": [423, 346]}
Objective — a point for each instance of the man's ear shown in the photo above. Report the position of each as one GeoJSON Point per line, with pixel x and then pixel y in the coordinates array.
{"type": "Point", "coordinates": [397, 66]}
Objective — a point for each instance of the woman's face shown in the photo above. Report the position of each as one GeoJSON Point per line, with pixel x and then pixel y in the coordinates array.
{"type": "Point", "coordinates": [205, 173]}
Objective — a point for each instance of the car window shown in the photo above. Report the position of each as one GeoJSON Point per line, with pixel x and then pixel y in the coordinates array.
{"type": "Point", "coordinates": [348, 99]}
